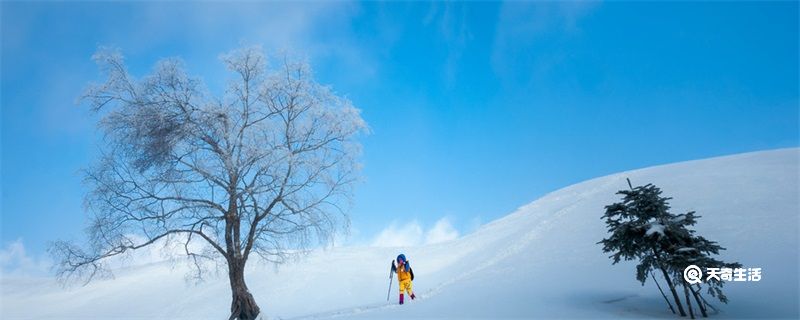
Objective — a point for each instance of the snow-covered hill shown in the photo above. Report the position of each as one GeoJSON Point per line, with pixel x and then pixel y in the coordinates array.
{"type": "Point", "coordinates": [541, 261]}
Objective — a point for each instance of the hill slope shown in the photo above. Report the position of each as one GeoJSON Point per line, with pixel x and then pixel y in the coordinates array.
{"type": "Point", "coordinates": [540, 261]}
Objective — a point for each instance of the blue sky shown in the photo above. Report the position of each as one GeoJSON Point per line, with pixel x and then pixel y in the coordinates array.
{"type": "Point", "coordinates": [475, 108]}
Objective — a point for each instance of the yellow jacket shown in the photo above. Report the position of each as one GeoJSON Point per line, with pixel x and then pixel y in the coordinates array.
{"type": "Point", "coordinates": [402, 274]}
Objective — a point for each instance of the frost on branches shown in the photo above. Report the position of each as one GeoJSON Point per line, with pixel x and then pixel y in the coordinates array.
{"type": "Point", "coordinates": [266, 169]}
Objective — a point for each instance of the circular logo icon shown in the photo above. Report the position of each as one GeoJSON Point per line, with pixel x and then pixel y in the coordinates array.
{"type": "Point", "coordinates": [692, 274]}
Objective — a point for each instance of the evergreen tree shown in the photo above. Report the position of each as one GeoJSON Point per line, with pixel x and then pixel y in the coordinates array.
{"type": "Point", "coordinates": [642, 229]}
{"type": "Point", "coordinates": [688, 248]}
{"type": "Point", "coordinates": [637, 233]}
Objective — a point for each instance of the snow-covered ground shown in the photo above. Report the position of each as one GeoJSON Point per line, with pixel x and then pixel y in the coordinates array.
{"type": "Point", "coordinates": [541, 261]}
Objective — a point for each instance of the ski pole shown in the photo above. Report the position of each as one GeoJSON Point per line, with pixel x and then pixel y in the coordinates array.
{"type": "Point", "coordinates": [391, 277]}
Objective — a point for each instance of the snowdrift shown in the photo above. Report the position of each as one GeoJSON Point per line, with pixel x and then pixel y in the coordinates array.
{"type": "Point", "coordinates": [541, 261]}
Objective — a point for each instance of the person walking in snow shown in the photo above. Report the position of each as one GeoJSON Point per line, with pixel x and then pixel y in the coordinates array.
{"type": "Point", "coordinates": [404, 276]}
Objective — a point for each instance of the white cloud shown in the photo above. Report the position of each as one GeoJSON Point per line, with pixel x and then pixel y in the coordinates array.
{"type": "Point", "coordinates": [15, 261]}
{"type": "Point", "coordinates": [409, 234]}
{"type": "Point", "coordinates": [454, 33]}
{"type": "Point", "coordinates": [322, 31]}
{"type": "Point", "coordinates": [442, 231]}
{"type": "Point", "coordinates": [523, 27]}
{"type": "Point", "coordinates": [413, 234]}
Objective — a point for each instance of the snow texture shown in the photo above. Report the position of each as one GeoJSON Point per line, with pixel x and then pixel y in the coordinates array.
{"type": "Point", "coordinates": [654, 228]}
{"type": "Point", "coordinates": [541, 261]}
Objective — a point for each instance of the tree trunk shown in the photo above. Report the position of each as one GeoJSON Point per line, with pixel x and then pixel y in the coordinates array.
{"type": "Point", "coordinates": [674, 292]}
{"type": "Point", "coordinates": [669, 283]}
{"type": "Point", "coordinates": [243, 306]}
{"type": "Point", "coordinates": [659, 287]}
{"type": "Point", "coordinates": [688, 301]}
{"type": "Point", "coordinates": [699, 303]}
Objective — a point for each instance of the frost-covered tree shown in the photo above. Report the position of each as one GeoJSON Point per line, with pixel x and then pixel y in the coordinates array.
{"type": "Point", "coordinates": [266, 169]}
{"type": "Point", "coordinates": [643, 229]}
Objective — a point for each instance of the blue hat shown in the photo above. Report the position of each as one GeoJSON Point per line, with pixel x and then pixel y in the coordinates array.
{"type": "Point", "coordinates": [401, 257]}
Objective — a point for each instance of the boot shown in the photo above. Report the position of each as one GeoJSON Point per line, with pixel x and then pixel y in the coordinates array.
{"type": "Point", "coordinates": [413, 296]}
{"type": "Point", "coordinates": [401, 298]}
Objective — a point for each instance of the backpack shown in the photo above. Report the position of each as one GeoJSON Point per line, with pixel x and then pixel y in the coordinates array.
{"type": "Point", "coordinates": [407, 264]}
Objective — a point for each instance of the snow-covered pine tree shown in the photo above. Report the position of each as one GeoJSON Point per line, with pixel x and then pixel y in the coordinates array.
{"type": "Point", "coordinates": [637, 227]}
{"type": "Point", "coordinates": [642, 228]}
{"type": "Point", "coordinates": [687, 249]}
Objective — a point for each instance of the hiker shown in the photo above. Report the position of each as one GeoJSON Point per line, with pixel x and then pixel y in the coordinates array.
{"type": "Point", "coordinates": [404, 275]}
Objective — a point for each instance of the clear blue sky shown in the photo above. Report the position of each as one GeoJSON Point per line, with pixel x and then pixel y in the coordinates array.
{"type": "Point", "coordinates": [475, 108]}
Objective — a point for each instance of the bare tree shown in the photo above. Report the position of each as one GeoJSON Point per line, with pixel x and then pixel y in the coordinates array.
{"type": "Point", "coordinates": [265, 169]}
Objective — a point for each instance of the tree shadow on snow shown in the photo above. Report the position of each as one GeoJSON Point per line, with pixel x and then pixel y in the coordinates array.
{"type": "Point", "coordinates": [619, 304]}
